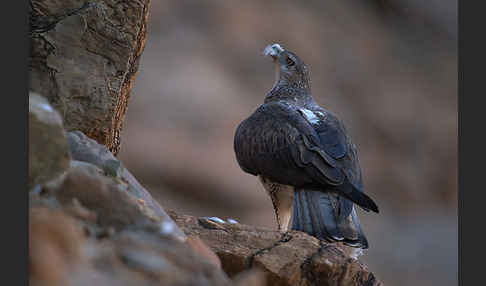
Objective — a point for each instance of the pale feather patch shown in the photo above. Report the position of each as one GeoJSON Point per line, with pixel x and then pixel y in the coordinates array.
{"type": "Point", "coordinates": [310, 116]}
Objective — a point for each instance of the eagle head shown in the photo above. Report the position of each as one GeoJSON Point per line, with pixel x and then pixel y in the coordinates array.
{"type": "Point", "coordinates": [291, 70]}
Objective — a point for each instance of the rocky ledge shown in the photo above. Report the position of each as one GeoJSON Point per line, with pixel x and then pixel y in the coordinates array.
{"type": "Point", "coordinates": [291, 258]}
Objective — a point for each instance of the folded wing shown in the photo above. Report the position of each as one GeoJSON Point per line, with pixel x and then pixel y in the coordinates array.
{"type": "Point", "coordinates": [280, 143]}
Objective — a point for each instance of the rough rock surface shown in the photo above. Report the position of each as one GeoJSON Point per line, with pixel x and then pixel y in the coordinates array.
{"type": "Point", "coordinates": [292, 258]}
{"type": "Point", "coordinates": [84, 58]}
{"type": "Point", "coordinates": [48, 148]}
{"type": "Point", "coordinates": [61, 253]}
{"type": "Point", "coordinates": [125, 187]}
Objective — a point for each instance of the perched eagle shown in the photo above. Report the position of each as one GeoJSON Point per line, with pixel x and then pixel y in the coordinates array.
{"type": "Point", "coordinates": [304, 158]}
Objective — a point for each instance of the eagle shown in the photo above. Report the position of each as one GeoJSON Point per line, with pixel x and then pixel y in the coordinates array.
{"type": "Point", "coordinates": [304, 158]}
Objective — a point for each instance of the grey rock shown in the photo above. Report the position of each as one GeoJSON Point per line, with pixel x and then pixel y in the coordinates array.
{"type": "Point", "coordinates": [85, 149]}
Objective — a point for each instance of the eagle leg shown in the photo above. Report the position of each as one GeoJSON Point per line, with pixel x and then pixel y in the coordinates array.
{"type": "Point", "coordinates": [282, 197]}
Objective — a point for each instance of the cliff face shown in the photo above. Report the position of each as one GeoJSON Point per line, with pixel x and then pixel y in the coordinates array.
{"type": "Point", "coordinates": [84, 58]}
{"type": "Point", "coordinates": [91, 221]}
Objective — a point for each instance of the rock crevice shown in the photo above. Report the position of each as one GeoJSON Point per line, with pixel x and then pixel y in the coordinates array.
{"type": "Point", "coordinates": [286, 237]}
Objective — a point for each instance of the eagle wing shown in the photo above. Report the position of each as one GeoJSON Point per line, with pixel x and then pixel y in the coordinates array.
{"type": "Point", "coordinates": [336, 142]}
{"type": "Point", "coordinates": [287, 145]}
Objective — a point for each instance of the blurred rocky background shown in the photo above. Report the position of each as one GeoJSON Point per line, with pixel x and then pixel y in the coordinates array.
{"type": "Point", "coordinates": [387, 68]}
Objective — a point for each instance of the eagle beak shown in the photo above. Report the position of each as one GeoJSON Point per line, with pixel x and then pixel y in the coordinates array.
{"type": "Point", "coordinates": [273, 50]}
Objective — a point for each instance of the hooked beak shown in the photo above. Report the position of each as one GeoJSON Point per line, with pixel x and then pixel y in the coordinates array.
{"type": "Point", "coordinates": [273, 50]}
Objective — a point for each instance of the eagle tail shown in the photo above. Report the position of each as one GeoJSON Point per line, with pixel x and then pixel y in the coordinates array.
{"type": "Point", "coordinates": [357, 196]}
{"type": "Point", "coordinates": [320, 214]}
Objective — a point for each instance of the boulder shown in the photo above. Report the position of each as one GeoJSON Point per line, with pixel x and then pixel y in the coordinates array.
{"type": "Point", "coordinates": [48, 149]}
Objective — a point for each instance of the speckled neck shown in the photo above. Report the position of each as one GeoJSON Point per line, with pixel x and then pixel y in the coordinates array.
{"type": "Point", "coordinates": [290, 93]}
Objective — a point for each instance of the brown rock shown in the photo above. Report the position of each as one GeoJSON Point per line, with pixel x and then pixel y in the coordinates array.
{"type": "Point", "coordinates": [77, 210]}
{"type": "Point", "coordinates": [292, 258]}
{"type": "Point", "coordinates": [84, 59]}
{"type": "Point", "coordinates": [253, 277]}
{"type": "Point", "coordinates": [234, 244]}
{"type": "Point", "coordinates": [54, 247]}
{"type": "Point", "coordinates": [200, 247]}
{"type": "Point", "coordinates": [48, 149]}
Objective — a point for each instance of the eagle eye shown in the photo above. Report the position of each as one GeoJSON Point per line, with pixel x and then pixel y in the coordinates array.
{"type": "Point", "coordinates": [290, 62]}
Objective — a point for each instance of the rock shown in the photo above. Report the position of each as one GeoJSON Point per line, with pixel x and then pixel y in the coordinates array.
{"type": "Point", "coordinates": [88, 194]}
{"type": "Point", "coordinates": [110, 200]}
{"type": "Point", "coordinates": [94, 231]}
{"type": "Point", "coordinates": [48, 149]}
{"type": "Point", "coordinates": [162, 261]}
{"type": "Point", "coordinates": [55, 243]}
{"type": "Point", "coordinates": [200, 247]}
{"type": "Point", "coordinates": [61, 254]}
{"type": "Point", "coordinates": [254, 277]}
{"type": "Point", "coordinates": [84, 58]}
{"type": "Point", "coordinates": [84, 149]}
{"type": "Point", "coordinates": [292, 258]}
